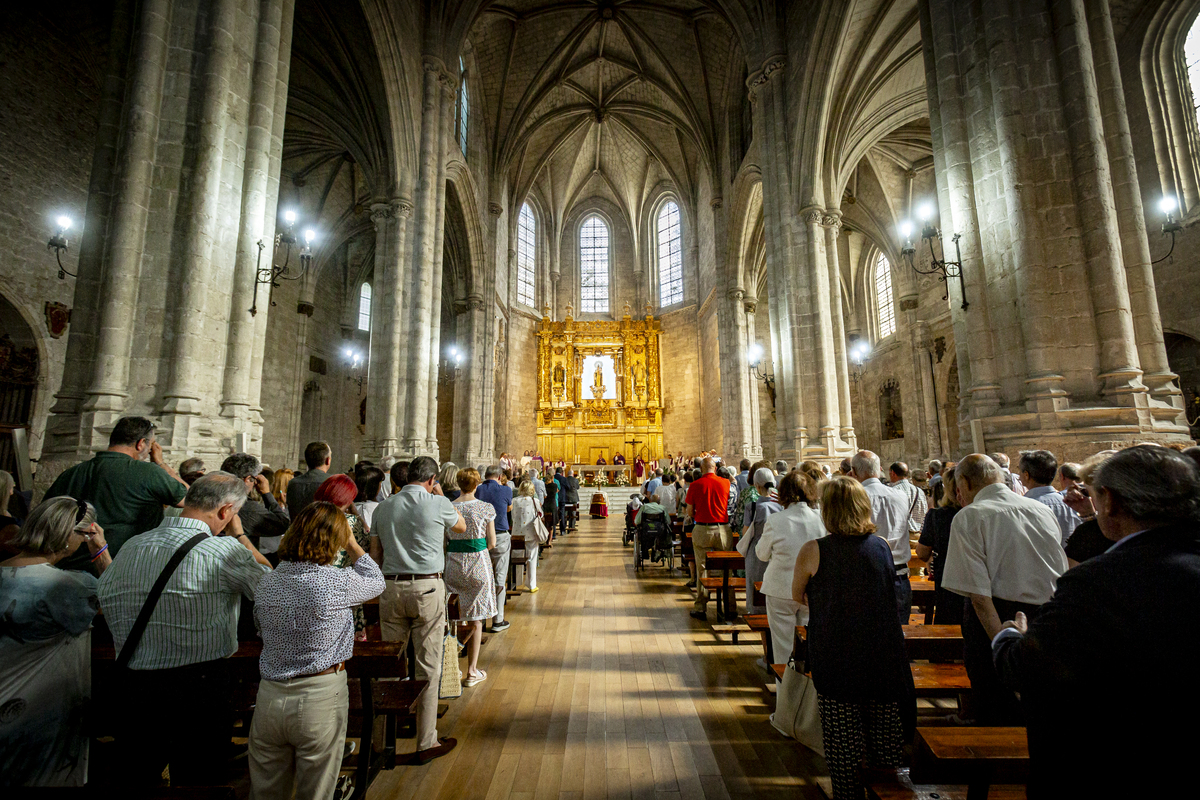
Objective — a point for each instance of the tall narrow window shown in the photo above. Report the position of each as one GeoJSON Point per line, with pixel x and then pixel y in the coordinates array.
{"type": "Point", "coordinates": [364, 307]}
{"type": "Point", "coordinates": [670, 256]}
{"type": "Point", "coordinates": [1191, 55]}
{"type": "Point", "coordinates": [883, 297]}
{"type": "Point", "coordinates": [464, 107]}
{"type": "Point", "coordinates": [593, 266]}
{"type": "Point", "coordinates": [526, 256]}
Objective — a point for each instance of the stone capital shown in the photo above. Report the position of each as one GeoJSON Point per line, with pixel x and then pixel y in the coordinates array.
{"type": "Point", "coordinates": [832, 220]}
{"type": "Point", "coordinates": [736, 294]}
{"type": "Point", "coordinates": [750, 306]}
{"type": "Point", "coordinates": [380, 213]}
{"type": "Point", "coordinates": [716, 202]}
{"type": "Point", "coordinates": [402, 207]}
{"type": "Point", "coordinates": [495, 209]}
{"type": "Point", "coordinates": [812, 215]}
{"type": "Point", "coordinates": [475, 302]}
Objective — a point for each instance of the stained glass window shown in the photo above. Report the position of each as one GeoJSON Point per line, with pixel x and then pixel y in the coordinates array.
{"type": "Point", "coordinates": [670, 256]}
{"type": "Point", "coordinates": [364, 307]}
{"type": "Point", "coordinates": [883, 297]}
{"type": "Point", "coordinates": [526, 256]}
{"type": "Point", "coordinates": [593, 266]}
{"type": "Point", "coordinates": [464, 107]}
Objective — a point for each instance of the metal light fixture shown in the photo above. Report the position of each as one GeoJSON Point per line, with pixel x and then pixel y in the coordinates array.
{"type": "Point", "coordinates": [754, 354]}
{"type": "Point", "coordinates": [271, 275]}
{"type": "Point", "coordinates": [58, 243]}
{"type": "Point", "coordinates": [858, 356]}
{"type": "Point", "coordinates": [355, 361]}
{"type": "Point", "coordinates": [451, 364]}
{"type": "Point", "coordinates": [937, 266]}
{"type": "Point", "coordinates": [1168, 205]}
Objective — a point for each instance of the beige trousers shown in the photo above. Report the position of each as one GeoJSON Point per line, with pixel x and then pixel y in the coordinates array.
{"type": "Point", "coordinates": [704, 539]}
{"type": "Point", "coordinates": [298, 737]}
{"type": "Point", "coordinates": [416, 610]}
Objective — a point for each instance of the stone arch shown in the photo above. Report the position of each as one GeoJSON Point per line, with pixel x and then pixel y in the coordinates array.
{"type": "Point", "coordinates": [1183, 354]}
{"type": "Point", "coordinates": [746, 214]}
{"type": "Point", "coordinates": [462, 181]}
{"type": "Point", "coordinates": [24, 377]}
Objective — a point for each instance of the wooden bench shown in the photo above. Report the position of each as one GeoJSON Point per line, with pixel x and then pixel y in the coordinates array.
{"type": "Point", "coordinates": [977, 757]}
{"type": "Point", "coordinates": [899, 786]}
{"type": "Point", "coordinates": [922, 596]}
{"type": "Point", "coordinates": [929, 680]}
{"type": "Point", "coordinates": [759, 624]}
{"type": "Point", "coordinates": [726, 561]}
{"type": "Point", "coordinates": [934, 642]}
{"type": "Point", "coordinates": [370, 699]}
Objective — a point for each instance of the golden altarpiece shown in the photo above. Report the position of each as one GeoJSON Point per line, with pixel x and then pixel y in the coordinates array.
{"type": "Point", "coordinates": [599, 390]}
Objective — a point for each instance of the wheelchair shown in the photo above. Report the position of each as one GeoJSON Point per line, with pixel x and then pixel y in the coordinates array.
{"type": "Point", "coordinates": [653, 542]}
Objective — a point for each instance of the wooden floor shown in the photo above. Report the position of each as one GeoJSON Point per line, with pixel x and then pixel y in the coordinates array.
{"type": "Point", "coordinates": [605, 687]}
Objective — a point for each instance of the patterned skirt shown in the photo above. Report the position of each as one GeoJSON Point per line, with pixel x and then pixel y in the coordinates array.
{"type": "Point", "coordinates": [469, 575]}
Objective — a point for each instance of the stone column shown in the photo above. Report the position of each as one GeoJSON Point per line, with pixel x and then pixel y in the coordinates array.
{"type": "Point", "coordinates": [823, 372]}
{"type": "Point", "coordinates": [108, 392]}
{"type": "Point", "coordinates": [736, 411]}
{"type": "Point", "coordinates": [449, 87]}
{"type": "Point", "coordinates": [387, 348]}
{"type": "Point", "coordinates": [833, 228]}
{"type": "Point", "coordinates": [749, 307]}
{"type": "Point", "coordinates": [415, 377]}
{"type": "Point", "coordinates": [470, 433]}
{"type": "Point", "coordinates": [1131, 216]}
{"type": "Point", "coordinates": [256, 218]}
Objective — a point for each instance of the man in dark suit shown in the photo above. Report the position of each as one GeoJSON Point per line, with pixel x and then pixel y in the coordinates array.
{"type": "Point", "coordinates": [301, 489]}
{"type": "Point", "coordinates": [1107, 670]}
{"type": "Point", "coordinates": [570, 486]}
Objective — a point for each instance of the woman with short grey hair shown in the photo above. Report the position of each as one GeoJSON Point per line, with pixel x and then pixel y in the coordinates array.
{"type": "Point", "coordinates": [448, 479]}
{"type": "Point", "coordinates": [45, 647]}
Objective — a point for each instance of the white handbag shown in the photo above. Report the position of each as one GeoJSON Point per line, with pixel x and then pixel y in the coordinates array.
{"type": "Point", "coordinates": [796, 715]}
{"type": "Point", "coordinates": [541, 531]}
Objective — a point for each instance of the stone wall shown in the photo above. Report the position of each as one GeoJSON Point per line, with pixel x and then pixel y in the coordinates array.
{"type": "Point", "coordinates": [49, 105]}
{"type": "Point", "coordinates": [521, 421]}
{"type": "Point", "coordinates": [708, 344]}
{"type": "Point", "coordinates": [683, 426]}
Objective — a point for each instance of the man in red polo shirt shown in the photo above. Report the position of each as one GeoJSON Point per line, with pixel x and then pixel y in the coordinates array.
{"type": "Point", "coordinates": [708, 504]}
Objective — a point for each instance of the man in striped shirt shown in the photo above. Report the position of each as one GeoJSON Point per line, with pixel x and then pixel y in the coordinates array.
{"type": "Point", "coordinates": [177, 685]}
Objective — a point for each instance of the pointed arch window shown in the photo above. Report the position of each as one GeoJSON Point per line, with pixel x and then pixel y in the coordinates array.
{"type": "Point", "coordinates": [526, 256]}
{"type": "Point", "coordinates": [464, 107]}
{"type": "Point", "coordinates": [883, 297]}
{"type": "Point", "coordinates": [364, 307]}
{"type": "Point", "coordinates": [670, 256]}
{"type": "Point", "coordinates": [593, 266]}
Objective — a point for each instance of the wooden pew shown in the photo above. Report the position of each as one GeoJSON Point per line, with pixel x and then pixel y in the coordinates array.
{"type": "Point", "coordinates": [929, 680]}
{"type": "Point", "coordinates": [758, 624]}
{"type": "Point", "coordinates": [977, 757]}
{"type": "Point", "coordinates": [923, 592]}
{"type": "Point", "coordinates": [726, 561]}
{"type": "Point", "coordinates": [934, 642]}
{"type": "Point", "coordinates": [370, 699]}
{"type": "Point", "coordinates": [899, 786]}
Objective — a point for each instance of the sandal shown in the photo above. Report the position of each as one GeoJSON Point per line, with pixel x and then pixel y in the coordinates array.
{"type": "Point", "coordinates": [472, 680]}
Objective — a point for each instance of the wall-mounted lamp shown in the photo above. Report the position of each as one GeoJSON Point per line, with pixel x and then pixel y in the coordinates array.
{"type": "Point", "coordinates": [355, 361]}
{"type": "Point", "coordinates": [58, 243]}
{"type": "Point", "coordinates": [1168, 205]}
{"type": "Point", "coordinates": [754, 354]}
{"type": "Point", "coordinates": [859, 353]}
{"type": "Point", "coordinates": [451, 364]}
{"type": "Point", "coordinates": [271, 275]}
{"type": "Point", "coordinates": [937, 266]}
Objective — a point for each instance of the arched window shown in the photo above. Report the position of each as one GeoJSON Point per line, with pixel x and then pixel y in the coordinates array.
{"type": "Point", "coordinates": [526, 256]}
{"type": "Point", "coordinates": [364, 307]}
{"type": "Point", "coordinates": [464, 107]}
{"type": "Point", "coordinates": [1191, 54]}
{"type": "Point", "coordinates": [670, 256]}
{"type": "Point", "coordinates": [883, 297]}
{"type": "Point", "coordinates": [593, 265]}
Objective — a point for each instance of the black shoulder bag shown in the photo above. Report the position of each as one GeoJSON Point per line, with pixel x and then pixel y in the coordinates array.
{"type": "Point", "coordinates": [143, 617]}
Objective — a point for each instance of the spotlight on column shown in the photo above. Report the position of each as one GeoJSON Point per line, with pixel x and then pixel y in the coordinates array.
{"type": "Point", "coordinates": [1171, 226]}
{"type": "Point", "coordinates": [58, 243]}
{"type": "Point", "coordinates": [755, 354]}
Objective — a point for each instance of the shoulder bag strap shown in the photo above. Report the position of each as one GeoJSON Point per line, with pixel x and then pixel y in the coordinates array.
{"type": "Point", "coordinates": [143, 617]}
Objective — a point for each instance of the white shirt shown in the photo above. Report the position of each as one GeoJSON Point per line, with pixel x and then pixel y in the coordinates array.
{"type": "Point", "coordinates": [784, 533]}
{"type": "Point", "coordinates": [667, 497]}
{"type": "Point", "coordinates": [916, 501]}
{"type": "Point", "coordinates": [1068, 520]}
{"type": "Point", "coordinates": [1004, 545]}
{"type": "Point", "coordinates": [889, 512]}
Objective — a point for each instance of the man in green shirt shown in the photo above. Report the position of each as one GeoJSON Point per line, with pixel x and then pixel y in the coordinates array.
{"type": "Point", "coordinates": [128, 492]}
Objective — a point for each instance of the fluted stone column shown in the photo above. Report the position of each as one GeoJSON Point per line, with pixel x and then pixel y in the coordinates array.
{"type": "Point", "coordinates": [736, 410]}
{"type": "Point", "coordinates": [387, 348]}
{"type": "Point", "coordinates": [1033, 169]}
{"type": "Point", "coordinates": [449, 88]}
{"type": "Point", "coordinates": [749, 307]}
{"type": "Point", "coordinates": [187, 188]}
{"type": "Point", "coordinates": [469, 432]}
{"type": "Point", "coordinates": [833, 228]}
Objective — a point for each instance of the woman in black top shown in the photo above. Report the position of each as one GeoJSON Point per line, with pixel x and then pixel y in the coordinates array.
{"type": "Point", "coordinates": [550, 504]}
{"type": "Point", "coordinates": [935, 543]}
{"type": "Point", "coordinates": [855, 643]}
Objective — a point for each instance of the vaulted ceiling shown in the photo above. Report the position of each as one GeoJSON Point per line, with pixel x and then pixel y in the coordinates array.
{"type": "Point", "coordinates": [599, 98]}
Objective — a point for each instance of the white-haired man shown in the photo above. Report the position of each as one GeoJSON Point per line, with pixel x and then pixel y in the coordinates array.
{"type": "Point", "coordinates": [1005, 556]}
{"type": "Point", "coordinates": [889, 512]}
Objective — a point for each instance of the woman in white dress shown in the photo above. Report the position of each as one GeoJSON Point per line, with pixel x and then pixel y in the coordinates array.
{"type": "Point", "coordinates": [784, 533]}
{"type": "Point", "coordinates": [469, 570]}
{"type": "Point", "coordinates": [525, 512]}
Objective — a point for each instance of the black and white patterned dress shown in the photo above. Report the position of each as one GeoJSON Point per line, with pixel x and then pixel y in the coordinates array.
{"type": "Point", "coordinates": [469, 575]}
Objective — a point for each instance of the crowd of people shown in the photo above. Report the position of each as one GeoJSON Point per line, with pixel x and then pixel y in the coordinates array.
{"type": "Point", "coordinates": [179, 566]}
{"type": "Point", "coordinates": [1074, 585]}
{"type": "Point", "coordinates": [1067, 580]}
